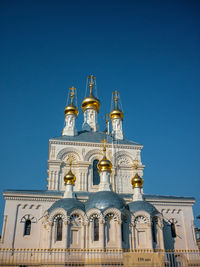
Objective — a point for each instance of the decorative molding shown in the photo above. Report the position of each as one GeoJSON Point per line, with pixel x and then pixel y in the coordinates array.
{"type": "Point", "coordinates": [72, 151]}
{"type": "Point", "coordinates": [79, 213]}
{"type": "Point", "coordinates": [28, 217]}
{"type": "Point", "coordinates": [116, 214]}
{"type": "Point", "coordinates": [140, 219]}
{"type": "Point", "coordinates": [75, 143]}
{"type": "Point", "coordinates": [54, 213]}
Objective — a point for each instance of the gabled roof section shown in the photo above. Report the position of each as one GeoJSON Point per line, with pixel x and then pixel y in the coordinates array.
{"type": "Point", "coordinates": [94, 137]}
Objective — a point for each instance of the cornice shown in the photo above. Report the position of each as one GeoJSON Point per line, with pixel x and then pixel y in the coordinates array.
{"type": "Point", "coordinates": [77, 143]}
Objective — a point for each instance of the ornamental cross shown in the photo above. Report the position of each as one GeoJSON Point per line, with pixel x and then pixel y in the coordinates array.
{"type": "Point", "coordinates": [69, 160]}
{"type": "Point", "coordinates": [116, 96]}
{"type": "Point", "coordinates": [91, 83]}
{"type": "Point", "coordinates": [72, 89]}
{"type": "Point", "coordinates": [104, 141]}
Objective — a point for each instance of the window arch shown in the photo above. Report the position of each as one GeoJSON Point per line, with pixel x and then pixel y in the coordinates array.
{"type": "Point", "coordinates": [27, 227]}
{"type": "Point", "coordinates": [96, 176]}
{"type": "Point", "coordinates": [173, 230]}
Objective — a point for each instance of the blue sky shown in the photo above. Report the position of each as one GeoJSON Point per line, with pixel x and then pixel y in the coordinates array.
{"type": "Point", "coordinates": [148, 50]}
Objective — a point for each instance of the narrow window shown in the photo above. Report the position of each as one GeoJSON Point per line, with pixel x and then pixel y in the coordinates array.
{"type": "Point", "coordinates": [96, 176]}
{"type": "Point", "coordinates": [122, 231]}
{"type": "Point", "coordinates": [59, 224]}
{"type": "Point", "coordinates": [96, 229]}
{"type": "Point", "coordinates": [27, 227]}
{"type": "Point", "coordinates": [173, 230]}
{"type": "Point", "coordinates": [154, 231]}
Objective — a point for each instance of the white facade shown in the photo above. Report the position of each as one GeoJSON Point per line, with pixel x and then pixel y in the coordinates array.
{"type": "Point", "coordinates": [93, 216]}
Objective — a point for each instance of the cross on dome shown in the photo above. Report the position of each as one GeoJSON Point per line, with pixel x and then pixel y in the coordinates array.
{"type": "Point", "coordinates": [72, 89]}
{"type": "Point", "coordinates": [91, 83]}
{"type": "Point", "coordinates": [116, 96]}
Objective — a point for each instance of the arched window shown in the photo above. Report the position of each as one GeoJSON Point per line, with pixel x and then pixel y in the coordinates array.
{"type": "Point", "coordinates": [96, 176]}
{"type": "Point", "coordinates": [27, 227]}
{"type": "Point", "coordinates": [173, 230]}
{"type": "Point", "coordinates": [154, 230]}
{"type": "Point", "coordinates": [59, 226]}
{"type": "Point", "coordinates": [96, 229]}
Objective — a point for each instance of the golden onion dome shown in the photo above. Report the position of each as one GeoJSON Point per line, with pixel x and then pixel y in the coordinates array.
{"type": "Point", "coordinates": [71, 110]}
{"type": "Point", "coordinates": [116, 114]}
{"type": "Point", "coordinates": [104, 165]}
{"type": "Point", "coordinates": [70, 178]}
{"type": "Point", "coordinates": [90, 102]}
{"type": "Point", "coordinates": [137, 181]}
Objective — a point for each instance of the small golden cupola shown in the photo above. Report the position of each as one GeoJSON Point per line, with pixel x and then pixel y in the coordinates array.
{"type": "Point", "coordinates": [137, 184]}
{"type": "Point", "coordinates": [71, 113]}
{"type": "Point", "coordinates": [91, 102]}
{"type": "Point", "coordinates": [104, 165]}
{"type": "Point", "coordinates": [116, 113]}
{"type": "Point", "coordinates": [71, 109]}
{"type": "Point", "coordinates": [69, 177]}
{"type": "Point", "coordinates": [137, 181]}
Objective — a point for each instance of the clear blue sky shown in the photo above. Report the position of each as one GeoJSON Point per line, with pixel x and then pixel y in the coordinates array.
{"type": "Point", "coordinates": [148, 50]}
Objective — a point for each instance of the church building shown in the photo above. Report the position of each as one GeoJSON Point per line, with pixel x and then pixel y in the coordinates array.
{"type": "Point", "coordinates": [94, 197]}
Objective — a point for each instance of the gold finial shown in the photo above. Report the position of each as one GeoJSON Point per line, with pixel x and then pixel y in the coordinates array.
{"type": "Point", "coordinates": [91, 102]}
{"type": "Point", "coordinates": [72, 109]}
{"type": "Point", "coordinates": [116, 113]}
{"type": "Point", "coordinates": [135, 164]}
{"type": "Point", "coordinates": [116, 95]}
{"type": "Point", "coordinates": [72, 89]}
{"type": "Point", "coordinates": [91, 83]}
{"type": "Point", "coordinates": [137, 181]}
{"type": "Point", "coordinates": [104, 164]}
{"type": "Point", "coordinates": [69, 178]}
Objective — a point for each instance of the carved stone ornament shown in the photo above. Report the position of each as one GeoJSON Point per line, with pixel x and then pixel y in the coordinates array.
{"type": "Point", "coordinates": [141, 220]}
